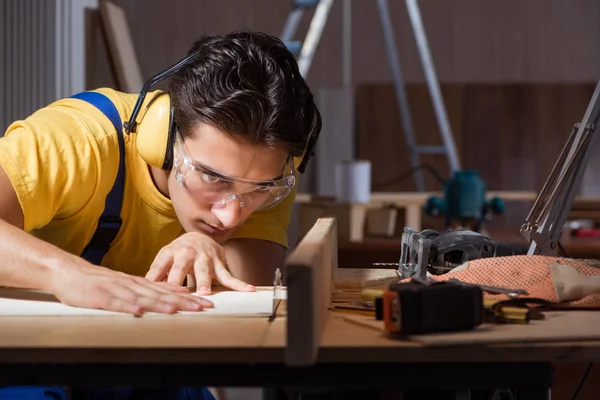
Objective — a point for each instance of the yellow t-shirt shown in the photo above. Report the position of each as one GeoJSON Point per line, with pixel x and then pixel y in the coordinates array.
{"type": "Point", "coordinates": [62, 162]}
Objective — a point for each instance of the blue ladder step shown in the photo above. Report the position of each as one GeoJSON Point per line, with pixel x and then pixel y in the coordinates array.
{"type": "Point", "coordinates": [305, 3]}
{"type": "Point", "coordinates": [294, 46]}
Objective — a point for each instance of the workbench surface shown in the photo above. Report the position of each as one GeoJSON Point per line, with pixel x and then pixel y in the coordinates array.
{"type": "Point", "coordinates": [322, 348]}
{"type": "Point", "coordinates": [200, 339]}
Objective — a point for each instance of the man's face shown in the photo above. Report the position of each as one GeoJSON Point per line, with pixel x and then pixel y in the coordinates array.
{"type": "Point", "coordinates": [212, 148]}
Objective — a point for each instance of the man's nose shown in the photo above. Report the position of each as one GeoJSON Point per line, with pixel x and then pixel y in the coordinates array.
{"type": "Point", "coordinates": [229, 212]}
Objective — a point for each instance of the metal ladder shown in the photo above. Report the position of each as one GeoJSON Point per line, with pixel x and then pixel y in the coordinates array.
{"type": "Point", "coordinates": [305, 50]}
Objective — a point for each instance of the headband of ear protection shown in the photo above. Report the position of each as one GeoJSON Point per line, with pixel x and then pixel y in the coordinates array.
{"type": "Point", "coordinates": [157, 124]}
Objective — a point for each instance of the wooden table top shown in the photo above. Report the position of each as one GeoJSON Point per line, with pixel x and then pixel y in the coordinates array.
{"type": "Point", "coordinates": [197, 339]}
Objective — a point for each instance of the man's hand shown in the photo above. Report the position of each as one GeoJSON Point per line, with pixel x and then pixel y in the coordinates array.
{"type": "Point", "coordinates": [102, 288]}
{"type": "Point", "coordinates": [196, 254]}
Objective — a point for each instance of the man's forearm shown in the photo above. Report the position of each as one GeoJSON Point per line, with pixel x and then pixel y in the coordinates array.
{"type": "Point", "coordinates": [31, 263]}
{"type": "Point", "coordinates": [28, 262]}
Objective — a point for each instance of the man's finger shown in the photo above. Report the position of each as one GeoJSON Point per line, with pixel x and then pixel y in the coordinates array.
{"type": "Point", "coordinates": [163, 286]}
{"type": "Point", "coordinates": [225, 277]}
{"type": "Point", "coordinates": [122, 298]}
{"type": "Point", "coordinates": [119, 305]}
{"type": "Point", "coordinates": [202, 275]}
{"type": "Point", "coordinates": [160, 267]}
{"type": "Point", "coordinates": [117, 300]}
{"type": "Point", "coordinates": [181, 302]}
{"type": "Point", "coordinates": [179, 270]}
{"type": "Point", "coordinates": [169, 287]}
{"type": "Point", "coordinates": [205, 302]}
{"type": "Point", "coordinates": [150, 304]}
{"type": "Point", "coordinates": [167, 292]}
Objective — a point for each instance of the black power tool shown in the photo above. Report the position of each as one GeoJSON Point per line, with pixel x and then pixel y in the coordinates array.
{"type": "Point", "coordinates": [437, 253]}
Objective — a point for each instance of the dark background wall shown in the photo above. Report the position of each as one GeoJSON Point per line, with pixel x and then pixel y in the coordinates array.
{"type": "Point", "coordinates": [515, 76]}
{"type": "Point", "coordinates": [471, 40]}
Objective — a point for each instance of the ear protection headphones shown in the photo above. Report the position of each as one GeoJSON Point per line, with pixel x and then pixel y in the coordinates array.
{"type": "Point", "coordinates": [157, 124]}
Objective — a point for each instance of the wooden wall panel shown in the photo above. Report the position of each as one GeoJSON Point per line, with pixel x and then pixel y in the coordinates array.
{"type": "Point", "coordinates": [511, 134]}
{"type": "Point", "coordinates": [471, 40]}
{"type": "Point", "coordinates": [486, 41]}
{"type": "Point", "coordinates": [380, 137]}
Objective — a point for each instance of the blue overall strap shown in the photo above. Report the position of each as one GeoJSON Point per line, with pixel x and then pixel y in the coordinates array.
{"type": "Point", "coordinates": [110, 221]}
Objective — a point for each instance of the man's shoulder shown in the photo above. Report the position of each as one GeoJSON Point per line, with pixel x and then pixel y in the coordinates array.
{"type": "Point", "coordinates": [124, 102]}
{"type": "Point", "coordinates": [70, 112]}
{"type": "Point", "coordinates": [70, 122]}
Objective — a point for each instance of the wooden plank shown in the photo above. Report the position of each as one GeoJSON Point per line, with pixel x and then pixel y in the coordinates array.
{"type": "Point", "coordinates": [408, 199]}
{"type": "Point", "coordinates": [381, 222]}
{"type": "Point", "coordinates": [349, 283]}
{"type": "Point", "coordinates": [308, 277]}
{"type": "Point", "coordinates": [350, 218]}
{"type": "Point", "coordinates": [357, 222]}
{"type": "Point", "coordinates": [364, 277]}
{"type": "Point", "coordinates": [121, 47]}
{"type": "Point", "coordinates": [413, 217]}
{"type": "Point", "coordinates": [403, 198]}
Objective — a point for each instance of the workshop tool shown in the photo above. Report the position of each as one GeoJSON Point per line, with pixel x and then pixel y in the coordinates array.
{"type": "Point", "coordinates": [277, 294]}
{"type": "Point", "coordinates": [512, 293]}
{"type": "Point", "coordinates": [464, 204]}
{"type": "Point", "coordinates": [515, 310]}
{"type": "Point", "coordinates": [420, 306]}
{"type": "Point", "coordinates": [425, 305]}
{"type": "Point", "coordinates": [438, 253]}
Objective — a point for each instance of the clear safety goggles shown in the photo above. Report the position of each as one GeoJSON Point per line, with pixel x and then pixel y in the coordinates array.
{"type": "Point", "coordinates": [207, 185]}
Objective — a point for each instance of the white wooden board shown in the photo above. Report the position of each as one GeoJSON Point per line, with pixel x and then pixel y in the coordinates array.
{"type": "Point", "coordinates": [121, 47]}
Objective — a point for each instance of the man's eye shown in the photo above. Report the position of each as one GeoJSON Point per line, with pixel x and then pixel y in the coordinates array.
{"type": "Point", "coordinates": [210, 178]}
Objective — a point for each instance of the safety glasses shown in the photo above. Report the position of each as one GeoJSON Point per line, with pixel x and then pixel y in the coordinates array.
{"type": "Point", "coordinates": [207, 185]}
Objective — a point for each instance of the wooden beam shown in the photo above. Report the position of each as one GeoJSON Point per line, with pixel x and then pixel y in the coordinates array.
{"type": "Point", "coordinates": [419, 198]}
{"type": "Point", "coordinates": [309, 279]}
{"type": "Point", "coordinates": [121, 47]}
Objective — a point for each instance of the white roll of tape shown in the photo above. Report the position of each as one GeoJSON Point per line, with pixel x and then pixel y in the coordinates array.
{"type": "Point", "coordinates": [353, 181]}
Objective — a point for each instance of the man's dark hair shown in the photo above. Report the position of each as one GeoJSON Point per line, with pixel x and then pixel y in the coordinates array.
{"type": "Point", "coordinates": [248, 85]}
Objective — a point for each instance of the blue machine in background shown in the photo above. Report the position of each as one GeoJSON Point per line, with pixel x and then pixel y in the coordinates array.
{"type": "Point", "coordinates": [465, 204]}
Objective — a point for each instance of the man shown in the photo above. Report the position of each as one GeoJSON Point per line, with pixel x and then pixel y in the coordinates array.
{"type": "Point", "coordinates": [215, 205]}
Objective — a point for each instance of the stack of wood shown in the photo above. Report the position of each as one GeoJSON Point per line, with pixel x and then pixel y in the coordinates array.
{"type": "Point", "coordinates": [348, 283]}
